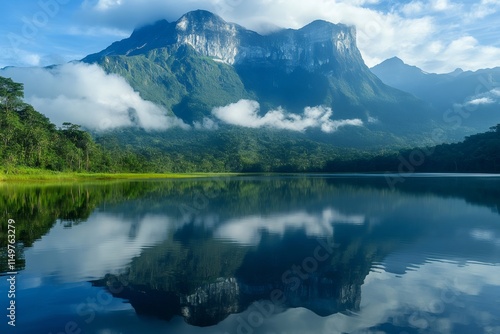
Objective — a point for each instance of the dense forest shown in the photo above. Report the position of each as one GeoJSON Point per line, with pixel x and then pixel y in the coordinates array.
{"type": "Point", "coordinates": [29, 140]}
{"type": "Point", "coordinates": [479, 153]}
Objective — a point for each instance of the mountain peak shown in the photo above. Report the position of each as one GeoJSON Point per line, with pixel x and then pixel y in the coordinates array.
{"type": "Point", "coordinates": [325, 28]}
{"type": "Point", "coordinates": [318, 23]}
{"type": "Point", "coordinates": [456, 72]}
{"type": "Point", "coordinates": [200, 20]}
{"type": "Point", "coordinates": [394, 60]}
{"type": "Point", "coordinates": [396, 66]}
{"type": "Point", "coordinates": [201, 14]}
{"type": "Point", "coordinates": [322, 23]}
{"type": "Point", "coordinates": [147, 29]}
{"type": "Point", "coordinates": [320, 44]}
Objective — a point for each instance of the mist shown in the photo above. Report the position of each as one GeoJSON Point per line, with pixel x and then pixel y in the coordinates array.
{"type": "Point", "coordinates": [86, 95]}
{"type": "Point", "coordinates": [245, 113]}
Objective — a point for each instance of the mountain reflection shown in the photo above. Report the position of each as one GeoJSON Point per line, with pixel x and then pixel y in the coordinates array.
{"type": "Point", "coordinates": [209, 269]}
{"type": "Point", "coordinates": [206, 249]}
{"type": "Point", "coordinates": [206, 280]}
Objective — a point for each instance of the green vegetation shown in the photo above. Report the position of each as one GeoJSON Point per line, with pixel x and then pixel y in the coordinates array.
{"type": "Point", "coordinates": [179, 79]}
{"type": "Point", "coordinates": [29, 139]}
{"type": "Point", "coordinates": [33, 174]}
{"type": "Point", "coordinates": [33, 148]}
{"type": "Point", "coordinates": [478, 153]}
{"type": "Point", "coordinates": [227, 149]}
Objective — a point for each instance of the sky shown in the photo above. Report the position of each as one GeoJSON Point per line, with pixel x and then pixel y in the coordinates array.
{"type": "Point", "coordinates": [435, 35]}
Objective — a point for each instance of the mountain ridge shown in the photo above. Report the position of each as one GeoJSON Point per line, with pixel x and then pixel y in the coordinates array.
{"type": "Point", "coordinates": [201, 62]}
{"type": "Point", "coordinates": [471, 95]}
{"type": "Point", "coordinates": [195, 27]}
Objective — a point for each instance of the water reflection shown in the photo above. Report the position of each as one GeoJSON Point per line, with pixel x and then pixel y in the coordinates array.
{"type": "Point", "coordinates": [255, 255]}
{"type": "Point", "coordinates": [108, 242]}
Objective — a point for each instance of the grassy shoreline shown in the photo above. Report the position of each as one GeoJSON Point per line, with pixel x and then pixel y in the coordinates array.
{"type": "Point", "coordinates": [27, 175]}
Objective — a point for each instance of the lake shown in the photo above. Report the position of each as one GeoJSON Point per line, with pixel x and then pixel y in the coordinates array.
{"type": "Point", "coordinates": [255, 254]}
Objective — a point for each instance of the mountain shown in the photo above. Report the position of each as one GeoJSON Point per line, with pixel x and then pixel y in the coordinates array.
{"type": "Point", "coordinates": [201, 61]}
{"type": "Point", "coordinates": [394, 72]}
{"type": "Point", "coordinates": [473, 96]}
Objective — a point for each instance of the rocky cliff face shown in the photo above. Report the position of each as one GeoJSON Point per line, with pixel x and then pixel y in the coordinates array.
{"type": "Point", "coordinates": [319, 45]}
{"type": "Point", "coordinates": [209, 35]}
{"type": "Point", "coordinates": [201, 62]}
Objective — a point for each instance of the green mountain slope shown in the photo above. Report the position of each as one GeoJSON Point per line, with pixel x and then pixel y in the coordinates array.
{"type": "Point", "coordinates": [179, 79]}
{"type": "Point", "coordinates": [470, 96]}
{"type": "Point", "coordinates": [201, 61]}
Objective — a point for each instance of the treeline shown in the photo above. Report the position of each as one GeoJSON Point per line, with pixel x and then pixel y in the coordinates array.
{"type": "Point", "coordinates": [479, 153]}
{"type": "Point", "coordinates": [228, 149]}
{"type": "Point", "coordinates": [29, 139]}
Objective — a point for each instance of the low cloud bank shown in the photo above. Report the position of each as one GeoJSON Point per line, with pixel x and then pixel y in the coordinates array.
{"type": "Point", "coordinates": [86, 95]}
{"type": "Point", "coordinates": [245, 113]}
{"type": "Point", "coordinates": [490, 97]}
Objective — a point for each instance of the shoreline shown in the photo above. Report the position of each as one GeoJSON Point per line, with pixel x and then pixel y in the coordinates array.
{"type": "Point", "coordinates": [50, 176]}
{"type": "Point", "coordinates": [29, 175]}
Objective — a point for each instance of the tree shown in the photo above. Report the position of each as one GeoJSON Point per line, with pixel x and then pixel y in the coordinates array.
{"type": "Point", "coordinates": [495, 128]}
{"type": "Point", "coordinates": [11, 94]}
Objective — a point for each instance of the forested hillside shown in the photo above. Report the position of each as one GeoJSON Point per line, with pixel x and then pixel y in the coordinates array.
{"type": "Point", "coordinates": [479, 153]}
{"type": "Point", "coordinates": [29, 140]}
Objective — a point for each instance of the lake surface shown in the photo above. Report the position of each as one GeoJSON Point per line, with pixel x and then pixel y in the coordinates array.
{"type": "Point", "coordinates": [275, 254]}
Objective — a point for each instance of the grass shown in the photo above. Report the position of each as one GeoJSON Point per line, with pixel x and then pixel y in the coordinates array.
{"type": "Point", "coordinates": [33, 174]}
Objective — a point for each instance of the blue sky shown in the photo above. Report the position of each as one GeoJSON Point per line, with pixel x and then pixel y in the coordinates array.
{"type": "Point", "coordinates": [436, 35]}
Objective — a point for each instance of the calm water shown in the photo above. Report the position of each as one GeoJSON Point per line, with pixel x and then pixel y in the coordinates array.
{"type": "Point", "coordinates": [308, 254]}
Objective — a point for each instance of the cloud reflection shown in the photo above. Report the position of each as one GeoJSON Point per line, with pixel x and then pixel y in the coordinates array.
{"type": "Point", "coordinates": [92, 249]}
{"type": "Point", "coordinates": [248, 230]}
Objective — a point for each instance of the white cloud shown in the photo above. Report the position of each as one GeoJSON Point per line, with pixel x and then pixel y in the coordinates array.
{"type": "Point", "coordinates": [248, 230]}
{"type": "Point", "coordinates": [432, 288]}
{"type": "Point", "coordinates": [413, 8]}
{"type": "Point", "coordinates": [410, 31]}
{"type": "Point", "coordinates": [25, 57]}
{"type": "Point", "coordinates": [489, 97]}
{"type": "Point", "coordinates": [107, 4]}
{"type": "Point", "coordinates": [442, 5]}
{"type": "Point", "coordinates": [439, 56]}
{"type": "Point", "coordinates": [483, 9]}
{"type": "Point", "coordinates": [246, 113]}
{"type": "Point", "coordinates": [206, 124]}
{"type": "Point", "coordinates": [482, 100]}
{"type": "Point", "coordinates": [101, 235]}
{"type": "Point", "coordinates": [85, 95]}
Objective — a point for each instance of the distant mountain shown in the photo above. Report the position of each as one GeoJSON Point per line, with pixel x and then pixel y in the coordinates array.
{"type": "Point", "coordinates": [201, 61]}
{"type": "Point", "coordinates": [465, 92]}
